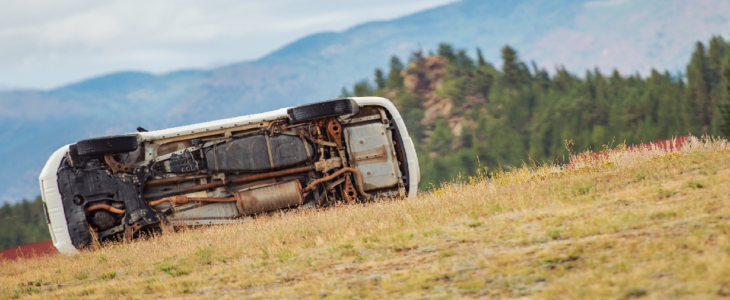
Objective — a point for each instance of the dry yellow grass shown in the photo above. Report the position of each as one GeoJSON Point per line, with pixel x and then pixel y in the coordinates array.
{"type": "Point", "coordinates": [647, 224]}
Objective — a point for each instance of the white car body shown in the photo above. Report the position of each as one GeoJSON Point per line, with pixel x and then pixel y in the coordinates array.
{"type": "Point", "coordinates": [52, 196]}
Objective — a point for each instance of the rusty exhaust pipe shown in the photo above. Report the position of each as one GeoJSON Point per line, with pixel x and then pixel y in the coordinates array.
{"type": "Point", "coordinates": [253, 201]}
{"type": "Point", "coordinates": [272, 174]}
{"type": "Point", "coordinates": [269, 198]}
{"type": "Point", "coordinates": [153, 182]}
{"type": "Point", "coordinates": [314, 183]}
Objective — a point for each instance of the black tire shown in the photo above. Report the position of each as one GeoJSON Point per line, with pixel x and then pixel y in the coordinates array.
{"type": "Point", "coordinates": [107, 144]}
{"type": "Point", "coordinates": [322, 109]}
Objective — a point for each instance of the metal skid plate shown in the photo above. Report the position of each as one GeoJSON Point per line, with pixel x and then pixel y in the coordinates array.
{"type": "Point", "coordinates": [372, 153]}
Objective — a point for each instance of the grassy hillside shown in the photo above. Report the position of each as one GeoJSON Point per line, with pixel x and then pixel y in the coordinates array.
{"type": "Point", "coordinates": [635, 224]}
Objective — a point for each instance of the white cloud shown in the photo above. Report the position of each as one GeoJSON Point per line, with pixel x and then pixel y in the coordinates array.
{"type": "Point", "coordinates": [47, 43]}
{"type": "Point", "coordinates": [605, 3]}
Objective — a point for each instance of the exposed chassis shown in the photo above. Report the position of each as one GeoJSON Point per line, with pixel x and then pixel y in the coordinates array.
{"type": "Point", "coordinates": [224, 171]}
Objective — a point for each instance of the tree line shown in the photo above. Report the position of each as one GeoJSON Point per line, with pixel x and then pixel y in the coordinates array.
{"type": "Point", "coordinates": [23, 223]}
{"type": "Point", "coordinates": [520, 113]}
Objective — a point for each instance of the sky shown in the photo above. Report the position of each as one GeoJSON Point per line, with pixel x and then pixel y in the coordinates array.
{"type": "Point", "coordinates": [46, 44]}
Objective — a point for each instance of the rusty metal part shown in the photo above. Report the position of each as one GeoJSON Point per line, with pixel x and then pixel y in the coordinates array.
{"type": "Point", "coordinates": [285, 127]}
{"type": "Point", "coordinates": [190, 189]}
{"type": "Point", "coordinates": [334, 129]}
{"type": "Point", "coordinates": [327, 165]}
{"type": "Point", "coordinates": [130, 231]}
{"type": "Point", "coordinates": [317, 135]}
{"type": "Point", "coordinates": [317, 140]}
{"type": "Point", "coordinates": [114, 165]}
{"type": "Point", "coordinates": [182, 199]}
{"type": "Point", "coordinates": [314, 183]}
{"type": "Point", "coordinates": [271, 174]}
{"type": "Point", "coordinates": [236, 180]}
{"type": "Point", "coordinates": [269, 198]}
{"type": "Point", "coordinates": [215, 138]}
{"type": "Point", "coordinates": [304, 133]}
{"type": "Point", "coordinates": [306, 147]}
{"type": "Point", "coordinates": [325, 143]}
{"type": "Point", "coordinates": [104, 206]}
{"type": "Point", "coordinates": [322, 195]}
{"type": "Point", "coordinates": [348, 191]}
{"type": "Point", "coordinates": [166, 225]}
{"type": "Point", "coordinates": [334, 184]}
{"type": "Point", "coordinates": [343, 157]}
{"type": "Point", "coordinates": [154, 182]}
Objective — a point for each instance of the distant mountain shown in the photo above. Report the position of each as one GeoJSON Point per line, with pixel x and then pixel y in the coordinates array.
{"type": "Point", "coordinates": [631, 35]}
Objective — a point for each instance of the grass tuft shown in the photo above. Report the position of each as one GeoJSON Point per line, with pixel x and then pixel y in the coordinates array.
{"type": "Point", "coordinates": [475, 224]}
{"type": "Point", "coordinates": [107, 276]}
{"type": "Point", "coordinates": [635, 292]}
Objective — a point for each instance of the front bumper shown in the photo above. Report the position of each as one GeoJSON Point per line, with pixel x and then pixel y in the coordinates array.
{"type": "Point", "coordinates": [57, 224]}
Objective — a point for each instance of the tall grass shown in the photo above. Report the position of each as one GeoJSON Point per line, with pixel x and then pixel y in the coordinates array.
{"type": "Point", "coordinates": [607, 227]}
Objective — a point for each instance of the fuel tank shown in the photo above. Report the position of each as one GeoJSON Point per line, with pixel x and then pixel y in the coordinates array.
{"type": "Point", "coordinates": [258, 153]}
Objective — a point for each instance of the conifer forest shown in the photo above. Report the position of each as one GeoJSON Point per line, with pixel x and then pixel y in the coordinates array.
{"type": "Point", "coordinates": [464, 114]}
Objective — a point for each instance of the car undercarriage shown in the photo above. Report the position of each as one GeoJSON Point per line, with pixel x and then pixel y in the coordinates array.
{"type": "Point", "coordinates": [315, 156]}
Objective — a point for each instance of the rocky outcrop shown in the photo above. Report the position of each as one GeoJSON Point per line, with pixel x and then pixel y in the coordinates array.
{"type": "Point", "coordinates": [425, 75]}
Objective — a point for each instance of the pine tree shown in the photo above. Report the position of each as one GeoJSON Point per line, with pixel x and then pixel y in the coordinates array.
{"type": "Point", "coordinates": [463, 61]}
{"type": "Point", "coordinates": [447, 51]}
{"type": "Point", "coordinates": [395, 80]}
{"type": "Point", "coordinates": [718, 56]}
{"type": "Point", "coordinates": [483, 83]}
{"type": "Point", "coordinates": [379, 79]}
{"type": "Point", "coordinates": [698, 79]}
{"type": "Point", "coordinates": [344, 93]}
{"type": "Point", "coordinates": [510, 66]}
{"type": "Point", "coordinates": [724, 108]}
{"type": "Point", "coordinates": [715, 55]}
{"type": "Point", "coordinates": [362, 88]}
{"type": "Point", "coordinates": [480, 58]}
{"type": "Point", "coordinates": [440, 139]}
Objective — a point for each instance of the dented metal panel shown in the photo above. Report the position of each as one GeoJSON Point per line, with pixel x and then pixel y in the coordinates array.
{"type": "Point", "coordinates": [371, 152]}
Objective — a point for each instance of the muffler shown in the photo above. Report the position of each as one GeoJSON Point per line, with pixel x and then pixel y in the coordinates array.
{"type": "Point", "coordinates": [268, 198]}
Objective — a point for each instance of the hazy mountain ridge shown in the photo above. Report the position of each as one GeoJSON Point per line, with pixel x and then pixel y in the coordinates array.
{"type": "Point", "coordinates": [579, 34]}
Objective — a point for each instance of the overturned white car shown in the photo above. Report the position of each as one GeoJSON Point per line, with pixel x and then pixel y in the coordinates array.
{"type": "Point", "coordinates": [317, 154]}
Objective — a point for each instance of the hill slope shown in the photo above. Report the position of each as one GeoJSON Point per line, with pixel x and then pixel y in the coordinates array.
{"type": "Point", "coordinates": [637, 224]}
{"type": "Point", "coordinates": [632, 35]}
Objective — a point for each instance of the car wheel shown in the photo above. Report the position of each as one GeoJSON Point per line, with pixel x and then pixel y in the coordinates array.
{"type": "Point", "coordinates": [329, 108]}
{"type": "Point", "coordinates": [107, 144]}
